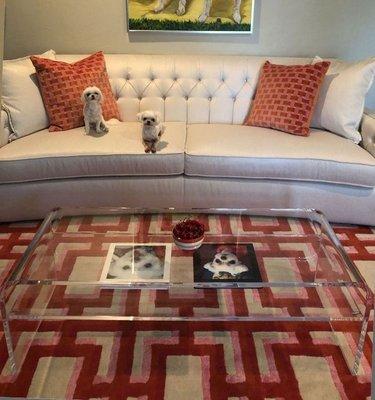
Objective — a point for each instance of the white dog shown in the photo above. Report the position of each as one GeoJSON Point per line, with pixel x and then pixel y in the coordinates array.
{"type": "Point", "coordinates": [152, 129]}
{"type": "Point", "coordinates": [142, 262]}
{"type": "Point", "coordinates": [181, 9]}
{"type": "Point", "coordinates": [92, 98]}
{"type": "Point", "coordinates": [225, 263]}
{"type": "Point", "coordinates": [236, 11]}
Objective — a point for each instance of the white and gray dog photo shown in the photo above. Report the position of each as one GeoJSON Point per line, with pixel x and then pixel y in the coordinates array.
{"type": "Point", "coordinates": [225, 264]}
{"type": "Point", "coordinates": [152, 129]}
{"type": "Point", "coordinates": [213, 263]}
{"type": "Point", "coordinates": [92, 98]}
{"type": "Point", "coordinates": [138, 262]}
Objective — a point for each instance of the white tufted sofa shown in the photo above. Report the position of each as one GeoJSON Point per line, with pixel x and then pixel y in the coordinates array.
{"type": "Point", "coordinates": [207, 158]}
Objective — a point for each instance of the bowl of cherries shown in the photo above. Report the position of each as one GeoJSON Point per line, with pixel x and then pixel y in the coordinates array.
{"type": "Point", "coordinates": [188, 234]}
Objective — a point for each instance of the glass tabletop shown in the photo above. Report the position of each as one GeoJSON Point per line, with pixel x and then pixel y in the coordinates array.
{"type": "Point", "coordinates": [135, 248]}
{"type": "Point", "coordinates": [121, 264]}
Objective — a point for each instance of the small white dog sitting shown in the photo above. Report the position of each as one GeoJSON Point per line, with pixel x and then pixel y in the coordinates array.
{"type": "Point", "coordinates": [92, 98]}
{"type": "Point", "coordinates": [152, 129]}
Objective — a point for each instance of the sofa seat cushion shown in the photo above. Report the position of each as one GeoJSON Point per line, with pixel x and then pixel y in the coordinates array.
{"type": "Point", "coordinates": [236, 151]}
{"type": "Point", "coordinates": [70, 154]}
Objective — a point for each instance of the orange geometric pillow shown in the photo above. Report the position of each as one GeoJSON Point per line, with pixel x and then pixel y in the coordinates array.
{"type": "Point", "coordinates": [62, 85]}
{"type": "Point", "coordinates": [286, 96]}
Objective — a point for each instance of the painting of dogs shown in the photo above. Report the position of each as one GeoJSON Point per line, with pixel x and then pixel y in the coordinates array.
{"type": "Point", "coordinates": [191, 15]}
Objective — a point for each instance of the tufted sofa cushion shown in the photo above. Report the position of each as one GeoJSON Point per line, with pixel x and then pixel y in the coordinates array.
{"type": "Point", "coordinates": [192, 89]}
{"type": "Point", "coordinates": [229, 151]}
{"type": "Point", "coordinates": [72, 154]}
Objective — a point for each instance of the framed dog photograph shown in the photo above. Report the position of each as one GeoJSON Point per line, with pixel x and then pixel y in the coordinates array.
{"type": "Point", "coordinates": [226, 263]}
{"type": "Point", "coordinates": [137, 262]}
{"type": "Point", "coordinates": [215, 16]}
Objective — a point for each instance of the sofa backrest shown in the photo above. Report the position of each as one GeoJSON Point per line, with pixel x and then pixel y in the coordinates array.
{"type": "Point", "coordinates": [185, 88]}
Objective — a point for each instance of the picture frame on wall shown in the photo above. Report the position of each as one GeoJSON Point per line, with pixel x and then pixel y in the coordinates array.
{"type": "Point", "coordinates": [193, 16]}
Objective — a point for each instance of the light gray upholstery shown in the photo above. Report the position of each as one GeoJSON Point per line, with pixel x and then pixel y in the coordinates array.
{"type": "Point", "coordinates": [50, 155]}
{"type": "Point", "coordinates": [243, 150]}
{"type": "Point", "coordinates": [368, 132]}
{"type": "Point", "coordinates": [233, 151]}
{"type": "Point", "coordinates": [33, 200]}
{"type": "Point", "coordinates": [26, 201]}
{"type": "Point", "coordinates": [339, 203]}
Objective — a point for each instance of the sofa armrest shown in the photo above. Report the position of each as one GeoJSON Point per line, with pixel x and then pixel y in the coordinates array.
{"type": "Point", "coordinates": [4, 129]}
{"type": "Point", "coordinates": [368, 131]}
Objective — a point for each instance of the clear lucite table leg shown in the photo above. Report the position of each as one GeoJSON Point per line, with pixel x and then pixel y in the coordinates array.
{"type": "Point", "coordinates": [360, 345]}
{"type": "Point", "coordinates": [373, 359]}
{"type": "Point", "coordinates": [8, 336]}
{"type": "Point", "coordinates": [20, 326]}
{"type": "Point", "coordinates": [368, 306]}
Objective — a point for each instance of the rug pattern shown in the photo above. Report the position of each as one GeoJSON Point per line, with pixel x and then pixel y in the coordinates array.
{"type": "Point", "coordinates": [198, 360]}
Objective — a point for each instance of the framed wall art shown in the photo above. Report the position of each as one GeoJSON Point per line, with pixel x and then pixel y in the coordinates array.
{"type": "Point", "coordinates": [211, 16]}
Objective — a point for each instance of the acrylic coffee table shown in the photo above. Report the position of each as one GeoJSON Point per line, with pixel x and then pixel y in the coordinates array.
{"type": "Point", "coordinates": [306, 273]}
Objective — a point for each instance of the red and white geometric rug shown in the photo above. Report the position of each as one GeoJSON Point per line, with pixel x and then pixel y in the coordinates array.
{"type": "Point", "coordinates": [186, 361]}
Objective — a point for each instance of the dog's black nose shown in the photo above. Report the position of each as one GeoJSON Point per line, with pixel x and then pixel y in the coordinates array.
{"type": "Point", "coordinates": [148, 265]}
{"type": "Point", "coordinates": [148, 123]}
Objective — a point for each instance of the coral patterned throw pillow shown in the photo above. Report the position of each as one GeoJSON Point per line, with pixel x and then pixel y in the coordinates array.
{"type": "Point", "coordinates": [286, 96]}
{"type": "Point", "coordinates": [62, 85]}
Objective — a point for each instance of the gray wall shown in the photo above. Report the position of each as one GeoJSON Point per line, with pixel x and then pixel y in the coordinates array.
{"type": "Point", "coordinates": [2, 11]}
{"type": "Point", "coordinates": [334, 28]}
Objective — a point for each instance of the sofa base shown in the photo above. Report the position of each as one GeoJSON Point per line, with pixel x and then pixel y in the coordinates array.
{"type": "Point", "coordinates": [345, 204]}
{"type": "Point", "coordinates": [28, 201]}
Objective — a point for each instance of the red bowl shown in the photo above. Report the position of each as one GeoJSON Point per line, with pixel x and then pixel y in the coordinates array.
{"type": "Point", "coordinates": [194, 240]}
{"type": "Point", "coordinates": [189, 231]}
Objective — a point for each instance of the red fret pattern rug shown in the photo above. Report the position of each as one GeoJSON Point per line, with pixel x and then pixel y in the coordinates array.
{"type": "Point", "coordinates": [196, 360]}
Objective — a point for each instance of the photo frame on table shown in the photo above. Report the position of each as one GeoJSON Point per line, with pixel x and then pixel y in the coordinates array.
{"type": "Point", "coordinates": [193, 16]}
{"type": "Point", "coordinates": [218, 263]}
{"type": "Point", "coordinates": [137, 262]}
